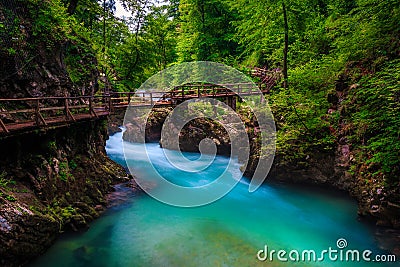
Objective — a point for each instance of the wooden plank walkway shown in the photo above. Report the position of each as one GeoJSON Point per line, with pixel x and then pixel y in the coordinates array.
{"type": "Point", "coordinates": [50, 112]}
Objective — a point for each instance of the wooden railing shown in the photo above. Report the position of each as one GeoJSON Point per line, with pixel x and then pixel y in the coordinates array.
{"type": "Point", "coordinates": [184, 92]}
{"type": "Point", "coordinates": [17, 113]}
{"type": "Point", "coordinates": [29, 113]}
{"type": "Point", "coordinates": [211, 90]}
{"type": "Point", "coordinates": [267, 77]}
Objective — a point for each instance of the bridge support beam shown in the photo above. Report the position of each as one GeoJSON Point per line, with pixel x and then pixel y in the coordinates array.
{"type": "Point", "coordinates": [3, 126]}
{"type": "Point", "coordinates": [231, 102]}
{"type": "Point", "coordinates": [38, 117]}
{"type": "Point", "coordinates": [68, 114]}
{"type": "Point", "coordinates": [91, 110]}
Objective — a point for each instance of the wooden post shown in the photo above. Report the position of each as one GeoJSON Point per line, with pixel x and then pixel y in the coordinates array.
{"type": "Point", "coordinates": [3, 126]}
{"type": "Point", "coordinates": [68, 114]}
{"type": "Point", "coordinates": [91, 110]}
{"type": "Point", "coordinates": [198, 91]}
{"type": "Point", "coordinates": [39, 118]}
{"type": "Point", "coordinates": [37, 112]}
{"type": "Point", "coordinates": [151, 99]}
{"type": "Point", "coordinates": [183, 93]}
{"type": "Point", "coordinates": [66, 108]}
{"type": "Point", "coordinates": [110, 106]}
{"type": "Point", "coordinates": [129, 98]}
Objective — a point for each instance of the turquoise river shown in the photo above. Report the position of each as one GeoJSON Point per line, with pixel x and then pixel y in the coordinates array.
{"type": "Point", "coordinates": [141, 231]}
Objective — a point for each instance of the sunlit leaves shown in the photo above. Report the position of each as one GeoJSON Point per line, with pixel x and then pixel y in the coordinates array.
{"type": "Point", "coordinates": [204, 30]}
{"type": "Point", "coordinates": [378, 108]}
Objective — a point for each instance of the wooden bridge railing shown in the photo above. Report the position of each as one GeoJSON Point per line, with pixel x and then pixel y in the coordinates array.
{"type": "Point", "coordinates": [184, 92]}
{"type": "Point", "coordinates": [23, 113]}
{"type": "Point", "coordinates": [211, 90]}
{"type": "Point", "coordinates": [267, 77]}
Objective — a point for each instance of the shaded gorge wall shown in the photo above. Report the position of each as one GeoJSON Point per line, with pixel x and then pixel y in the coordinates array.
{"type": "Point", "coordinates": [49, 182]}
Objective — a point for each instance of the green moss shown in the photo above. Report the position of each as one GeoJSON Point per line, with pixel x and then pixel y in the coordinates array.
{"type": "Point", "coordinates": [65, 172]}
{"type": "Point", "coordinates": [52, 146]}
{"type": "Point", "coordinates": [6, 182]}
{"type": "Point", "coordinates": [73, 165]}
{"type": "Point", "coordinates": [67, 212]}
{"type": "Point", "coordinates": [9, 197]}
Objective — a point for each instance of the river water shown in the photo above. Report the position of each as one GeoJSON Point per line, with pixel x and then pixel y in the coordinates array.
{"type": "Point", "coordinates": [229, 232]}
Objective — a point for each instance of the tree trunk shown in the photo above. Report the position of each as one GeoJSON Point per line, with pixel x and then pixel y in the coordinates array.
{"type": "Point", "coordinates": [104, 26]}
{"type": "Point", "coordinates": [285, 50]}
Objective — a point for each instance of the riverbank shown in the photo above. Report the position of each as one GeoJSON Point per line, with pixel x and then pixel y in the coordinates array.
{"type": "Point", "coordinates": [52, 182]}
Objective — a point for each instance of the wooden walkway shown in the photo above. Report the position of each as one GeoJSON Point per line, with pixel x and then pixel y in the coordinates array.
{"type": "Point", "coordinates": [41, 113]}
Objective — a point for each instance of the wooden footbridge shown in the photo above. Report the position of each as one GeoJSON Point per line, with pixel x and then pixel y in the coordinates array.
{"type": "Point", "coordinates": [18, 115]}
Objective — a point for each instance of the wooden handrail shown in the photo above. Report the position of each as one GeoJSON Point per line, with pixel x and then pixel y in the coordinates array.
{"type": "Point", "coordinates": [45, 110]}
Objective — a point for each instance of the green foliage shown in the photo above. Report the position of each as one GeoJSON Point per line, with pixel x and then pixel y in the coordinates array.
{"type": "Point", "coordinates": [4, 187]}
{"type": "Point", "coordinates": [10, 198]}
{"type": "Point", "coordinates": [73, 165]}
{"type": "Point", "coordinates": [369, 30]}
{"type": "Point", "coordinates": [52, 146]}
{"type": "Point", "coordinates": [81, 62]}
{"type": "Point", "coordinates": [11, 33]}
{"type": "Point", "coordinates": [206, 109]}
{"type": "Point", "coordinates": [159, 35]}
{"type": "Point", "coordinates": [259, 29]}
{"type": "Point", "coordinates": [300, 115]}
{"type": "Point", "coordinates": [5, 182]}
{"type": "Point", "coordinates": [359, 38]}
{"type": "Point", "coordinates": [327, 38]}
{"type": "Point", "coordinates": [66, 212]}
{"type": "Point", "coordinates": [65, 171]}
{"type": "Point", "coordinates": [138, 55]}
{"type": "Point", "coordinates": [61, 209]}
{"type": "Point", "coordinates": [205, 31]}
{"type": "Point", "coordinates": [376, 120]}
{"type": "Point", "coordinates": [51, 22]}
{"type": "Point", "coordinates": [317, 75]}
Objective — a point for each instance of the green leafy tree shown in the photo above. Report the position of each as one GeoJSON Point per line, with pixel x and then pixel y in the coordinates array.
{"type": "Point", "coordinates": [260, 30]}
{"type": "Point", "coordinates": [368, 30]}
{"type": "Point", "coordinates": [205, 32]}
{"type": "Point", "coordinates": [159, 34]}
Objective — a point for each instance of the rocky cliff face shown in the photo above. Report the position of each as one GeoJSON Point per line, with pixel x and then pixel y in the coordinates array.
{"type": "Point", "coordinates": [376, 200]}
{"type": "Point", "coordinates": [50, 182]}
{"type": "Point", "coordinates": [52, 179]}
{"type": "Point", "coordinates": [38, 56]}
{"type": "Point", "coordinates": [30, 69]}
{"type": "Point", "coordinates": [152, 128]}
{"type": "Point", "coordinates": [195, 131]}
